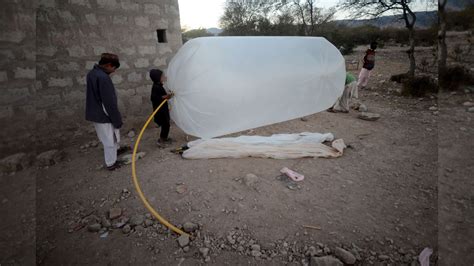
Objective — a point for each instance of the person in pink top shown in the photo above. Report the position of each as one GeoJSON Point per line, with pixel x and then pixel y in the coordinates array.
{"type": "Point", "coordinates": [369, 64]}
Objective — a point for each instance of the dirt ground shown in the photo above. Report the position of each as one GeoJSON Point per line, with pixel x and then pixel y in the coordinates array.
{"type": "Point", "coordinates": [455, 182]}
{"type": "Point", "coordinates": [403, 184]}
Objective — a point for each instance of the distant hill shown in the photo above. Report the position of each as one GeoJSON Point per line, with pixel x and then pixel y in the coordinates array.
{"type": "Point", "coordinates": [214, 31]}
{"type": "Point", "coordinates": [457, 5]}
{"type": "Point", "coordinates": [423, 20]}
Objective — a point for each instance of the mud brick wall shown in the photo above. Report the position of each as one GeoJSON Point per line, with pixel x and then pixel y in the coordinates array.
{"type": "Point", "coordinates": [49, 46]}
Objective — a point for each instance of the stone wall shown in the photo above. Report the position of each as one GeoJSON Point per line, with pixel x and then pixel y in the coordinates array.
{"type": "Point", "coordinates": [17, 74]}
{"type": "Point", "coordinates": [49, 47]}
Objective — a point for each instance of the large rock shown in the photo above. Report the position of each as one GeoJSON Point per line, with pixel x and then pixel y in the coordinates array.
{"type": "Point", "coordinates": [49, 158]}
{"type": "Point", "coordinates": [255, 247]}
{"type": "Point", "coordinates": [115, 213]}
{"type": "Point", "coordinates": [148, 223]}
{"type": "Point", "coordinates": [189, 227]}
{"type": "Point", "coordinates": [256, 253]}
{"type": "Point", "coordinates": [183, 240]}
{"type": "Point", "coordinates": [314, 252]}
{"type": "Point", "coordinates": [204, 251]}
{"type": "Point", "coordinates": [94, 227]}
{"type": "Point", "coordinates": [345, 256]}
{"type": "Point", "coordinates": [230, 239]}
{"type": "Point", "coordinates": [369, 116]}
{"type": "Point", "coordinates": [106, 223]}
{"type": "Point", "coordinates": [250, 180]}
{"type": "Point", "coordinates": [325, 261]}
{"type": "Point", "coordinates": [119, 223]}
{"type": "Point", "coordinates": [15, 162]}
{"type": "Point", "coordinates": [137, 220]}
{"type": "Point", "coordinates": [126, 229]}
{"type": "Point", "coordinates": [181, 188]}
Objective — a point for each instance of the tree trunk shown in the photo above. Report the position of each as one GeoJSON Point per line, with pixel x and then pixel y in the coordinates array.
{"type": "Point", "coordinates": [303, 25]}
{"type": "Point", "coordinates": [310, 7]}
{"type": "Point", "coordinates": [442, 49]}
{"type": "Point", "coordinates": [411, 52]}
{"type": "Point", "coordinates": [410, 19]}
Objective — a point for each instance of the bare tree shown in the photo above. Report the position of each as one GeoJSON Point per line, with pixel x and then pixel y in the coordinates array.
{"type": "Point", "coordinates": [377, 8]}
{"type": "Point", "coordinates": [270, 17]}
{"type": "Point", "coordinates": [309, 16]}
{"type": "Point", "coordinates": [236, 18]}
{"type": "Point", "coordinates": [442, 50]}
{"type": "Point", "coordinates": [246, 17]}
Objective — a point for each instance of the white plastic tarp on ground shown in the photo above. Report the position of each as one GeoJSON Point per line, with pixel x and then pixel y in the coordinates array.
{"type": "Point", "coordinates": [224, 85]}
{"type": "Point", "coordinates": [278, 146]}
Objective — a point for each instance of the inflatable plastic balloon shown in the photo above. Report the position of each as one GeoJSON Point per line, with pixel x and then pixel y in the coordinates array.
{"type": "Point", "coordinates": [224, 85]}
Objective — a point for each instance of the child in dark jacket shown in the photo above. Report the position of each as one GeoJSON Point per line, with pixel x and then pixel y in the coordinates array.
{"type": "Point", "coordinates": [369, 63]}
{"type": "Point", "coordinates": [158, 94]}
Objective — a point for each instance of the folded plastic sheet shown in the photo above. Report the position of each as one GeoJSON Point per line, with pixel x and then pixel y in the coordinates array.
{"type": "Point", "coordinates": [224, 85]}
{"type": "Point", "coordinates": [278, 146]}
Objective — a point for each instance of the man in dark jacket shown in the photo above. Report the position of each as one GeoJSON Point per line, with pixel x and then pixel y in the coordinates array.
{"type": "Point", "coordinates": [102, 108]}
{"type": "Point", "coordinates": [158, 94]}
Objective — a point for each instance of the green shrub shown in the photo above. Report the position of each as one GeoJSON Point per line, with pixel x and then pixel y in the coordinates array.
{"type": "Point", "coordinates": [419, 86]}
{"type": "Point", "coordinates": [399, 78]}
{"type": "Point", "coordinates": [461, 20]}
{"type": "Point", "coordinates": [347, 48]}
{"type": "Point", "coordinates": [454, 77]}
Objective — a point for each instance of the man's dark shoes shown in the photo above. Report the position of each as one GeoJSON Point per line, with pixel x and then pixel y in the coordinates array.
{"type": "Point", "coordinates": [115, 166]}
{"type": "Point", "coordinates": [165, 141]}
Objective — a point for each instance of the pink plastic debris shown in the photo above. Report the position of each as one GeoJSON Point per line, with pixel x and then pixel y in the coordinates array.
{"type": "Point", "coordinates": [424, 257]}
{"type": "Point", "coordinates": [292, 174]}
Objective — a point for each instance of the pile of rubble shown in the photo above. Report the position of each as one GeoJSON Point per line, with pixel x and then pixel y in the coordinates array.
{"type": "Point", "coordinates": [20, 161]}
{"type": "Point", "coordinates": [203, 246]}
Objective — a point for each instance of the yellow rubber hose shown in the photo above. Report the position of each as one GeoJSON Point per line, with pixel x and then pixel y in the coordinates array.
{"type": "Point", "coordinates": [137, 185]}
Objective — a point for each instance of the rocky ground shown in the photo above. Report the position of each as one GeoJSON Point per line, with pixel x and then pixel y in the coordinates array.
{"type": "Point", "coordinates": [401, 186]}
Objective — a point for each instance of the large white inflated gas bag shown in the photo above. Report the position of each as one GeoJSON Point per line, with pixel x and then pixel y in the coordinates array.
{"type": "Point", "coordinates": [224, 85]}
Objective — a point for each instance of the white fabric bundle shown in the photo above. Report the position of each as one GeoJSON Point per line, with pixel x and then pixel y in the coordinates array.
{"type": "Point", "coordinates": [224, 85]}
{"type": "Point", "coordinates": [278, 146]}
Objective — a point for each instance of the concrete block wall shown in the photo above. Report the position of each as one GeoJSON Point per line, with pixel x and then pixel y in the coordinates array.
{"type": "Point", "coordinates": [17, 75]}
{"type": "Point", "coordinates": [50, 46]}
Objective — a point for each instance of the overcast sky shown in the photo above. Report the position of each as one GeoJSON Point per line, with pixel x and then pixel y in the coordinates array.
{"type": "Point", "coordinates": [206, 13]}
